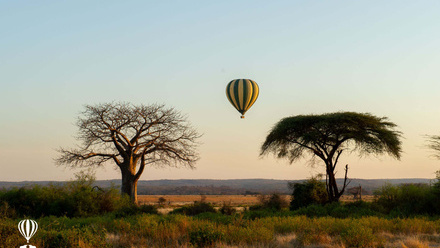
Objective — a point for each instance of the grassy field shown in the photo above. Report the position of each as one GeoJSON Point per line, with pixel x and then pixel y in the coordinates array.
{"type": "Point", "coordinates": [216, 230]}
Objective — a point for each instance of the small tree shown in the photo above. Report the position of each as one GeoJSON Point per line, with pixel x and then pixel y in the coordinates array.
{"type": "Point", "coordinates": [161, 201]}
{"type": "Point", "coordinates": [132, 137]}
{"type": "Point", "coordinates": [327, 136]}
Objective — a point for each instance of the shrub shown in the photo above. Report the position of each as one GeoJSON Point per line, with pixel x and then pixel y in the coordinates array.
{"type": "Point", "coordinates": [274, 202]}
{"type": "Point", "coordinates": [310, 192]}
{"type": "Point", "coordinates": [227, 209]}
{"type": "Point", "coordinates": [253, 213]}
{"type": "Point", "coordinates": [194, 209]}
{"type": "Point", "coordinates": [217, 218]}
{"type": "Point", "coordinates": [358, 236]}
{"type": "Point", "coordinates": [407, 200]}
{"type": "Point", "coordinates": [312, 211]}
{"type": "Point", "coordinates": [9, 235]}
{"type": "Point", "coordinates": [6, 211]}
{"type": "Point", "coordinates": [206, 234]}
{"type": "Point", "coordinates": [134, 209]}
{"type": "Point", "coordinates": [309, 236]}
{"type": "Point", "coordinates": [161, 201]}
{"type": "Point", "coordinates": [73, 199]}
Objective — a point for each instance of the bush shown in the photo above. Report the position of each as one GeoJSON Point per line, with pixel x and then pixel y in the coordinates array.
{"type": "Point", "coordinates": [134, 209]}
{"type": "Point", "coordinates": [6, 211]}
{"type": "Point", "coordinates": [358, 236]}
{"type": "Point", "coordinates": [312, 211]}
{"type": "Point", "coordinates": [253, 214]}
{"type": "Point", "coordinates": [73, 199]}
{"type": "Point", "coordinates": [217, 218]}
{"type": "Point", "coordinates": [204, 235]}
{"type": "Point", "coordinates": [194, 209]}
{"type": "Point", "coordinates": [274, 202]}
{"type": "Point", "coordinates": [227, 209]}
{"type": "Point", "coordinates": [407, 200]}
{"type": "Point", "coordinates": [310, 192]}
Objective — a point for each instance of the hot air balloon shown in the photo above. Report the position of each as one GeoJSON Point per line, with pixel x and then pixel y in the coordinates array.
{"type": "Point", "coordinates": [242, 93]}
{"type": "Point", "coordinates": [27, 228]}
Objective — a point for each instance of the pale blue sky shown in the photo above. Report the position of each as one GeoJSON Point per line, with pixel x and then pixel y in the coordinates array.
{"type": "Point", "coordinates": [380, 57]}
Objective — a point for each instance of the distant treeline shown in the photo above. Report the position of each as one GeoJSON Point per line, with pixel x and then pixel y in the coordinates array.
{"type": "Point", "coordinates": [222, 187]}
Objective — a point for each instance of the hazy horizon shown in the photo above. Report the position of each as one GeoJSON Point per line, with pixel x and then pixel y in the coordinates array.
{"type": "Point", "coordinates": [112, 179]}
{"type": "Point", "coordinates": [378, 57]}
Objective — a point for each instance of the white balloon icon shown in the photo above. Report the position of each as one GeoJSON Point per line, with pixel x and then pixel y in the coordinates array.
{"type": "Point", "coordinates": [27, 228]}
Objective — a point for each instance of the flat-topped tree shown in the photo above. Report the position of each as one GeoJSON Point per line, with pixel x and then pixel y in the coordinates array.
{"type": "Point", "coordinates": [132, 136]}
{"type": "Point", "coordinates": [327, 136]}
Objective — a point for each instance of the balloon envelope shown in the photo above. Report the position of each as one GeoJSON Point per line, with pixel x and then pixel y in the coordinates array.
{"type": "Point", "coordinates": [242, 94]}
{"type": "Point", "coordinates": [27, 228]}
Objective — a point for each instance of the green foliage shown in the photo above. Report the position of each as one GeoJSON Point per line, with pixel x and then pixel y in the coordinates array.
{"type": "Point", "coordinates": [9, 235]}
{"type": "Point", "coordinates": [227, 209]}
{"type": "Point", "coordinates": [408, 200]}
{"type": "Point", "coordinates": [73, 199]}
{"type": "Point", "coordinates": [6, 211]}
{"type": "Point", "coordinates": [218, 218]}
{"type": "Point", "coordinates": [312, 191]}
{"type": "Point", "coordinates": [358, 236]}
{"type": "Point", "coordinates": [257, 213]}
{"type": "Point", "coordinates": [292, 136]}
{"type": "Point", "coordinates": [195, 208]}
{"type": "Point", "coordinates": [339, 210]}
{"type": "Point", "coordinates": [274, 202]}
{"type": "Point", "coordinates": [327, 136]}
{"type": "Point", "coordinates": [312, 211]}
{"type": "Point", "coordinates": [133, 209]}
{"type": "Point", "coordinates": [205, 234]}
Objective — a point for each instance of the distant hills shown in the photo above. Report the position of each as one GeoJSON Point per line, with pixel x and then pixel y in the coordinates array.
{"type": "Point", "coordinates": [225, 187]}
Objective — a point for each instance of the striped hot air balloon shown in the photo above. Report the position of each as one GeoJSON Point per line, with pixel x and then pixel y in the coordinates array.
{"type": "Point", "coordinates": [28, 228]}
{"type": "Point", "coordinates": [242, 93]}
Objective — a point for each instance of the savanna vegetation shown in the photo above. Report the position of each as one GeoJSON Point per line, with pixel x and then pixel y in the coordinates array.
{"type": "Point", "coordinates": [79, 215]}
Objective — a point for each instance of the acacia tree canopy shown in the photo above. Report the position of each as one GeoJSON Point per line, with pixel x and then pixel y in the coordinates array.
{"type": "Point", "coordinates": [132, 136]}
{"type": "Point", "coordinates": [327, 136]}
{"type": "Point", "coordinates": [434, 144]}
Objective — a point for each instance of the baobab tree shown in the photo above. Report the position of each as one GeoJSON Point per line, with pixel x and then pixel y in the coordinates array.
{"type": "Point", "coordinates": [132, 137]}
{"type": "Point", "coordinates": [327, 136]}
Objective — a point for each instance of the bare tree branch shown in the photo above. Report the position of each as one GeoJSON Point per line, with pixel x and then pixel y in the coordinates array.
{"type": "Point", "coordinates": [132, 136]}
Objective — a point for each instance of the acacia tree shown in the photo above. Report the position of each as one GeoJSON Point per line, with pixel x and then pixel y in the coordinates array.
{"type": "Point", "coordinates": [434, 144]}
{"type": "Point", "coordinates": [327, 136]}
{"type": "Point", "coordinates": [132, 137]}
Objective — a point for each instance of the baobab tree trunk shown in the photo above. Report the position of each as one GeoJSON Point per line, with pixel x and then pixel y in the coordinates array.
{"type": "Point", "coordinates": [129, 184]}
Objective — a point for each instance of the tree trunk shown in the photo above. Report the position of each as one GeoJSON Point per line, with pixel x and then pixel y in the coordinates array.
{"type": "Point", "coordinates": [129, 184]}
{"type": "Point", "coordinates": [332, 187]}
